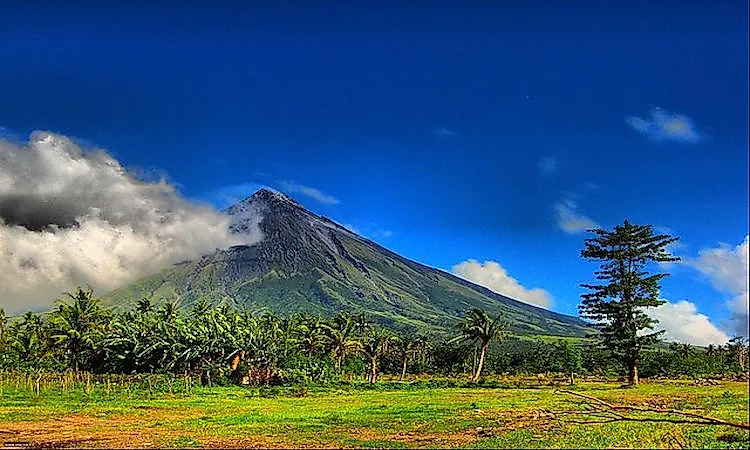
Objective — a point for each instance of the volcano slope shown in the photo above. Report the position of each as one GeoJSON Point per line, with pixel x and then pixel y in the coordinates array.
{"type": "Point", "coordinates": [308, 263]}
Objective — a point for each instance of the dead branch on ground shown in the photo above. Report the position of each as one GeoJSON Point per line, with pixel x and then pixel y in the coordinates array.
{"type": "Point", "coordinates": [608, 413]}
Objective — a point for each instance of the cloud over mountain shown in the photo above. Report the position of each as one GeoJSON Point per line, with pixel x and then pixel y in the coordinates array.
{"type": "Point", "coordinates": [69, 216]}
{"type": "Point", "coordinates": [493, 276]}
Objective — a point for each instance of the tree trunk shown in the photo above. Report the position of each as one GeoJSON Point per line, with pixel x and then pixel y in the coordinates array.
{"type": "Point", "coordinates": [236, 361]}
{"type": "Point", "coordinates": [572, 380]}
{"type": "Point", "coordinates": [403, 371]}
{"type": "Point", "coordinates": [633, 375]}
{"type": "Point", "coordinates": [373, 370]}
{"type": "Point", "coordinates": [481, 363]}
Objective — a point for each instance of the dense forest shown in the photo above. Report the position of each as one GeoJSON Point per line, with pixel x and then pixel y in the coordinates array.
{"type": "Point", "coordinates": [222, 345]}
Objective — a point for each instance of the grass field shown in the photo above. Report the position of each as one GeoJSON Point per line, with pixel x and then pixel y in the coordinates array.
{"type": "Point", "coordinates": [390, 414]}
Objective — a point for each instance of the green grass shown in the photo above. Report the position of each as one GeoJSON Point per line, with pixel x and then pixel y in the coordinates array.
{"type": "Point", "coordinates": [389, 415]}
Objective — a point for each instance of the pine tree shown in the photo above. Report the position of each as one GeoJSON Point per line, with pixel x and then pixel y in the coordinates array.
{"type": "Point", "coordinates": [617, 304]}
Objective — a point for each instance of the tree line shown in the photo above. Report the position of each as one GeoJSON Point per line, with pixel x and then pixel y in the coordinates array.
{"type": "Point", "coordinates": [225, 345]}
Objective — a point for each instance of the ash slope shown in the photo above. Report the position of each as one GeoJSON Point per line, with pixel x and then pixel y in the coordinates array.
{"type": "Point", "coordinates": [310, 264]}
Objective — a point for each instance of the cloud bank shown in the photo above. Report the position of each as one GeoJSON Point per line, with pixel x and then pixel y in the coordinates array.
{"type": "Point", "coordinates": [661, 125]}
{"type": "Point", "coordinates": [494, 277]}
{"type": "Point", "coordinates": [71, 217]}
{"type": "Point", "coordinates": [727, 268]}
{"type": "Point", "coordinates": [682, 323]}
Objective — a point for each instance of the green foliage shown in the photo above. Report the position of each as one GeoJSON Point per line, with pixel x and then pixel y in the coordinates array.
{"type": "Point", "coordinates": [76, 326]}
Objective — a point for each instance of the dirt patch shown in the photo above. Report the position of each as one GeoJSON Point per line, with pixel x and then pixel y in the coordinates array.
{"type": "Point", "coordinates": [259, 441]}
{"type": "Point", "coordinates": [430, 439]}
{"type": "Point", "coordinates": [89, 431]}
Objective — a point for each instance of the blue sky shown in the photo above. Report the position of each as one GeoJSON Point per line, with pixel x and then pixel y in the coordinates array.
{"type": "Point", "coordinates": [447, 131]}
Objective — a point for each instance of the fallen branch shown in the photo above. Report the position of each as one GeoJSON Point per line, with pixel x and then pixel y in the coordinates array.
{"type": "Point", "coordinates": [608, 411]}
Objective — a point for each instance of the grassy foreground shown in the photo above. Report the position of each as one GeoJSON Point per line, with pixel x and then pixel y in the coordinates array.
{"type": "Point", "coordinates": [388, 415]}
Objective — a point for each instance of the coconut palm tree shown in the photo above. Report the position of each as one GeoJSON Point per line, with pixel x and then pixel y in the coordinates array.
{"type": "Point", "coordinates": [685, 350]}
{"type": "Point", "coordinates": [342, 337]}
{"type": "Point", "coordinates": [26, 346]}
{"type": "Point", "coordinates": [144, 306]}
{"type": "Point", "coordinates": [3, 322]}
{"type": "Point", "coordinates": [406, 347]}
{"type": "Point", "coordinates": [76, 325]}
{"type": "Point", "coordinates": [310, 335]}
{"type": "Point", "coordinates": [481, 329]}
{"type": "Point", "coordinates": [374, 346]}
{"type": "Point", "coordinates": [738, 350]}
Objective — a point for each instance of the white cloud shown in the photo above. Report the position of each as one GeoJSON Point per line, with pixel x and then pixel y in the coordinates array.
{"type": "Point", "coordinates": [548, 165]}
{"type": "Point", "coordinates": [682, 323]}
{"type": "Point", "coordinates": [445, 133]}
{"type": "Point", "coordinates": [71, 217]}
{"type": "Point", "coordinates": [570, 220]}
{"type": "Point", "coordinates": [291, 187]}
{"type": "Point", "coordinates": [661, 125]}
{"type": "Point", "coordinates": [494, 277]}
{"type": "Point", "coordinates": [727, 268]}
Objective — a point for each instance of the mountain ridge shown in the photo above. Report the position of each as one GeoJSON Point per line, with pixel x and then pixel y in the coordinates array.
{"type": "Point", "coordinates": [309, 263]}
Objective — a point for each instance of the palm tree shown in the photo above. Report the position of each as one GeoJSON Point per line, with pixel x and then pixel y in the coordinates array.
{"type": "Point", "coordinates": [167, 312]}
{"type": "Point", "coordinates": [480, 328]}
{"type": "Point", "coordinates": [407, 346]}
{"type": "Point", "coordinates": [342, 337]}
{"type": "Point", "coordinates": [374, 346]}
{"type": "Point", "coordinates": [26, 345]}
{"type": "Point", "coordinates": [684, 350]}
{"type": "Point", "coordinates": [144, 306]}
{"type": "Point", "coordinates": [309, 335]}
{"type": "Point", "coordinates": [3, 321]}
{"type": "Point", "coordinates": [737, 349]}
{"type": "Point", "coordinates": [76, 325]}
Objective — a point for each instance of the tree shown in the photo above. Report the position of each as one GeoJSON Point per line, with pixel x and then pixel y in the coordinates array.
{"type": "Point", "coordinates": [144, 306]}
{"type": "Point", "coordinates": [342, 337]}
{"type": "Point", "coordinates": [480, 328]}
{"type": "Point", "coordinates": [77, 325]}
{"type": "Point", "coordinates": [738, 350]}
{"type": "Point", "coordinates": [617, 303]}
{"type": "Point", "coordinates": [309, 335]}
{"type": "Point", "coordinates": [375, 345]}
{"type": "Point", "coordinates": [567, 359]}
{"type": "Point", "coordinates": [3, 321]}
{"type": "Point", "coordinates": [407, 346]}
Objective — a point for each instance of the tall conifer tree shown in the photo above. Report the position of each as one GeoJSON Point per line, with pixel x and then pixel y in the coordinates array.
{"type": "Point", "coordinates": [627, 287]}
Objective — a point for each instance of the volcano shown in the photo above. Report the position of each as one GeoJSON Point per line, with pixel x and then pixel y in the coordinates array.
{"type": "Point", "coordinates": [308, 263]}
